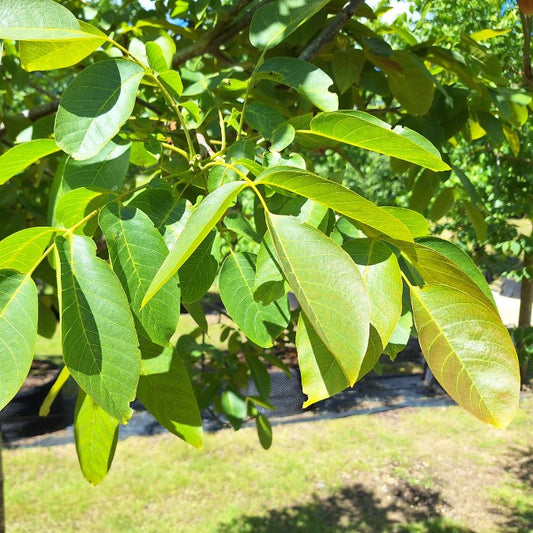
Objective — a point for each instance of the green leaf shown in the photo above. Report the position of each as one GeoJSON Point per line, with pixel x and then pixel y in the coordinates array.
{"type": "Point", "coordinates": [172, 80]}
{"type": "Point", "coordinates": [283, 136]}
{"type": "Point", "coordinates": [440, 268]}
{"type": "Point", "coordinates": [97, 330]}
{"type": "Point", "coordinates": [328, 287]}
{"type": "Point", "coordinates": [50, 55]}
{"type": "Point", "coordinates": [166, 391]}
{"type": "Point", "coordinates": [22, 250]}
{"type": "Point", "coordinates": [383, 280]}
{"type": "Point", "coordinates": [75, 205]}
{"type": "Point", "coordinates": [234, 407]}
{"type": "Point", "coordinates": [478, 221]}
{"type": "Point", "coordinates": [18, 331]}
{"type": "Point", "coordinates": [197, 313]}
{"type": "Point", "coordinates": [469, 351]}
{"type": "Point", "coordinates": [263, 118]}
{"type": "Point", "coordinates": [264, 431]}
{"type": "Point", "coordinates": [417, 223]}
{"type": "Point", "coordinates": [347, 67]}
{"type": "Point", "coordinates": [38, 21]}
{"type": "Point", "coordinates": [166, 212]}
{"type": "Point", "coordinates": [269, 284]}
{"type": "Point", "coordinates": [95, 105]}
{"type": "Point", "coordinates": [16, 159]}
{"type": "Point", "coordinates": [442, 204]}
{"type": "Point", "coordinates": [96, 436]}
{"type": "Point", "coordinates": [459, 258]}
{"type": "Point", "coordinates": [202, 220]}
{"type": "Point", "coordinates": [136, 251]}
{"type": "Point", "coordinates": [260, 375]}
{"type": "Point", "coordinates": [361, 129]}
{"type": "Point", "coordinates": [156, 57]}
{"type": "Point", "coordinates": [199, 271]}
{"type": "Point", "coordinates": [274, 22]}
{"type": "Point", "coordinates": [337, 197]}
{"type": "Point", "coordinates": [322, 375]}
{"type": "Point", "coordinates": [262, 324]}
{"type": "Point", "coordinates": [310, 81]}
{"type": "Point", "coordinates": [409, 80]}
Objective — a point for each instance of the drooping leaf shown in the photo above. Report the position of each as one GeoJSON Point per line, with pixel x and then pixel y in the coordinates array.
{"type": "Point", "coordinates": [137, 250]}
{"type": "Point", "coordinates": [336, 197]}
{"type": "Point", "coordinates": [478, 221]}
{"type": "Point", "coordinates": [50, 55]}
{"type": "Point", "coordinates": [198, 273]}
{"type": "Point", "coordinates": [322, 375]}
{"type": "Point", "coordinates": [361, 129]}
{"type": "Point", "coordinates": [328, 287]}
{"type": "Point", "coordinates": [21, 251]}
{"type": "Point", "coordinates": [197, 313]}
{"type": "Point", "coordinates": [21, 156]}
{"type": "Point", "coordinates": [98, 334]}
{"type": "Point", "coordinates": [260, 375]}
{"type": "Point", "coordinates": [201, 221]}
{"type": "Point", "coordinates": [166, 391]}
{"type": "Point", "coordinates": [234, 407]}
{"type": "Point", "coordinates": [264, 431]}
{"type": "Point", "coordinates": [442, 204]}
{"type": "Point", "coordinates": [95, 105]}
{"type": "Point", "coordinates": [262, 324]}
{"type": "Point", "coordinates": [96, 436]}
{"type": "Point", "coordinates": [44, 20]}
{"type": "Point", "coordinates": [307, 79]}
{"type": "Point", "coordinates": [469, 352]}
{"type": "Point", "coordinates": [18, 331]}
{"type": "Point", "coordinates": [275, 21]}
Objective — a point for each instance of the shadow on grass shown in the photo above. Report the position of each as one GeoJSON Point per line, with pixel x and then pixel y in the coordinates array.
{"type": "Point", "coordinates": [520, 514]}
{"type": "Point", "coordinates": [354, 509]}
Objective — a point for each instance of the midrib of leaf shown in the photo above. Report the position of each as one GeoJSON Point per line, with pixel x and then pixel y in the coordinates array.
{"type": "Point", "coordinates": [453, 353]}
{"type": "Point", "coordinates": [314, 319]}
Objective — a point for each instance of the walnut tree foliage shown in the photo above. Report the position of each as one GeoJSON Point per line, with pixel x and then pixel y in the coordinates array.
{"type": "Point", "coordinates": [148, 153]}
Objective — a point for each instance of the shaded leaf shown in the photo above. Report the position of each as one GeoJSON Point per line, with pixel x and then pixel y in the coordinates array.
{"type": "Point", "coordinates": [307, 79]}
{"type": "Point", "coordinates": [264, 431]}
{"type": "Point", "coordinates": [262, 324]}
{"type": "Point", "coordinates": [166, 391]}
{"type": "Point", "coordinates": [95, 105]}
{"type": "Point", "coordinates": [96, 437]}
{"type": "Point", "coordinates": [97, 329]}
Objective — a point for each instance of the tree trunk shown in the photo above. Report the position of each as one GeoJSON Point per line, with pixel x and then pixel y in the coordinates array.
{"type": "Point", "coordinates": [524, 317]}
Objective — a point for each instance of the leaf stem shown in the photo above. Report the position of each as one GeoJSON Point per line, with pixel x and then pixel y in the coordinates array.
{"type": "Point", "coordinates": [173, 148]}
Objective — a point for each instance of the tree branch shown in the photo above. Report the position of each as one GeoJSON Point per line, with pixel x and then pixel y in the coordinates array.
{"type": "Point", "coordinates": [325, 36]}
{"type": "Point", "coordinates": [221, 33]}
{"type": "Point", "coordinates": [34, 114]}
{"type": "Point", "coordinates": [526, 27]}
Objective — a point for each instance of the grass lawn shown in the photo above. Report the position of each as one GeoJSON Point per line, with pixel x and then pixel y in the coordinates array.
{"type": "Point", "coordinates": [412, 470]}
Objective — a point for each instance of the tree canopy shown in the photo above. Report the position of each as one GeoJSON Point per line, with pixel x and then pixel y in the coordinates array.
{"type": "Point", "coordinates": [151, 152]}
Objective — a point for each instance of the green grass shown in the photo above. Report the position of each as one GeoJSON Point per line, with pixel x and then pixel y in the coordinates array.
{"type": "Point", "coordinates": [413, 470]}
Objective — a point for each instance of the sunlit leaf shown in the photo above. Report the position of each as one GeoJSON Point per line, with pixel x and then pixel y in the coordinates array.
{"type": "Point", "coordinates": [100, 345]}
{"type": "Point", "coordinates": [18, 331]}
{"type": "Point", "coordinates": [22, 250]}
{"type": "Point", "coordinates": [95, 105]}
